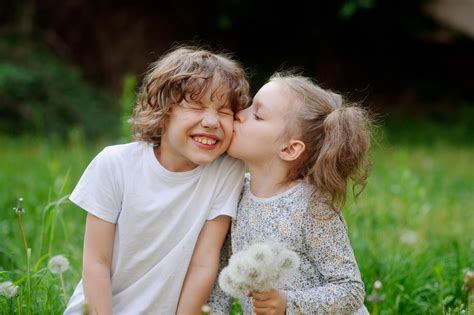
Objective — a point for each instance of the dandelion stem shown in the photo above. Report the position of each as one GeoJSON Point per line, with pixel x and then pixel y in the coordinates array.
{"type": "Point", "coordinates": [375, 309]}
{"type": "Point", "coordinates": [63, 287]}
{"type": "Point", "coordinates": [18, 305]}
{"type": "Point", "coordinates": [28, 281]}
{"type": "Point", "coordinates": [19, 211]}
{"type": "Point", "coordinates": [470, 298]}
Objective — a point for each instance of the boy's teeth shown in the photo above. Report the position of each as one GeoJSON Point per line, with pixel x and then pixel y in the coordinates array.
{"type": "Point", "coordinates": [205, 140]}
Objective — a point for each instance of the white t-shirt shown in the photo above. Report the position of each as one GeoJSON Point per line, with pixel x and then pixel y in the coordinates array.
{"type": "Point", "coordinates": [158, 216]}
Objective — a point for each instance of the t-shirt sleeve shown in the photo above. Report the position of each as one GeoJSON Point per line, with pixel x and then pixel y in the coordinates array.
{"type": "Point", "coordinates": [230, 182]}
{"type": "Point", "coordinates": [99, 190]}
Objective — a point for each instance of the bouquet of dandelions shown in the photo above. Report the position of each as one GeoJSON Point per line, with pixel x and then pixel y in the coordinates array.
{"type": "Point", "coordinates": [260, 268]}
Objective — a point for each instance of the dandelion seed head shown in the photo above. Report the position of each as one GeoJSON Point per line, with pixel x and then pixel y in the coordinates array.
{"type": "Point", "coordinates": [206, 308]}
{"type": "Point", "coordinates": [409, 237]}
{"type": "Point", "coordinates": [261, 253]}
{"type": "Point", "coordinates": [468, 280]}
{"type": "Point", "coordinates": [260, 268]}
{"type": "Point", "coordinates": [288, 260]}
{"type": "Point", "coordinates": [19, 208]}
{"type": "Point", "coordinates": [8, 289]}
{"type": "Point", "coordinates": [378, 285]}
{"type": "Point", "coordinates": [228, 285]}
{"type": "Point", "coordinates": [58, 264]}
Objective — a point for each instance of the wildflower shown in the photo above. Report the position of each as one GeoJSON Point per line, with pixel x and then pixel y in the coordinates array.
{"type": "Point", "coordinates": [19, 209]}
{"type": "Point", "coordinates": [205, 309]}
{"type": "Point", "coordinates": [58, 264]}
{"type": "Point", "coordinates": [469, 280]}
{"type": "Point", "coordinates": [469, 287]}
{"type": "Point", "coordinates": [8, 289]}
{"type": "Point", "coordinates": [409, 237]}
{"type": "Point", "coordinates": [260, 268]}
{"type": "Point", "coordinates": [376, 297]}
{"type": "Point", "coordinates": [378, 285]}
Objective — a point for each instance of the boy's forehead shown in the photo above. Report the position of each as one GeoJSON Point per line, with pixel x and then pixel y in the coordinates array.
{"type": "Point", "coordinates": [218, 94]}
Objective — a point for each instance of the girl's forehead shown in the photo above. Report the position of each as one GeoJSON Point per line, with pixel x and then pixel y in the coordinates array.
{"type": "Point", "coordinates": [273, 96]}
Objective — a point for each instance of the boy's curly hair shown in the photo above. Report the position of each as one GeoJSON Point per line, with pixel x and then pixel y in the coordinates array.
{"type": "Point", "coordinates": [184, 73]}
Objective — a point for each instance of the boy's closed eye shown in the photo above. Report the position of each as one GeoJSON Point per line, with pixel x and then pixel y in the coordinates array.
{"type": "Point", "coordinates": [192, 106]}
{"type": "Point", "coordinates": [227, 111]}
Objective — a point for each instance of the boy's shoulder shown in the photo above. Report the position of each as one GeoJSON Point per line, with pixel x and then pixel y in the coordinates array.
{"type": "Point", "coordinates": [125, 149]}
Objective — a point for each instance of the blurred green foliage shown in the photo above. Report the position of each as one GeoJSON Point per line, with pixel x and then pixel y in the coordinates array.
{"type": "Point", "coordinates": [457, 128]}
{"type": "Point", "coordinates": [350, 7]}
{"type": "Point", "coordinates": [43, 95]}
{"type": "Point", "coordinates": [127, 101]}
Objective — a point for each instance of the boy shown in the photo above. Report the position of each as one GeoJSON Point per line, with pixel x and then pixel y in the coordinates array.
{"type": "Point", "coordinates": [159, 208]}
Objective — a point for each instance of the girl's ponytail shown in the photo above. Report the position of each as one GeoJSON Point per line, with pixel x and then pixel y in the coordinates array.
{"type": "Point", "coordinates": [336, 137]}
{"type": "Point", "coordinates": [343, 153]}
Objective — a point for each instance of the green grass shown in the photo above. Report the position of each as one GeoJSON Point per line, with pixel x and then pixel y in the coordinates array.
{"type": "Point", "coordinates": [412, 227]}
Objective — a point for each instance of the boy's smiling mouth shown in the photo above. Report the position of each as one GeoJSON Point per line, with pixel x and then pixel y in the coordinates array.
{"type": "Point", "coordinates": [205, 140]}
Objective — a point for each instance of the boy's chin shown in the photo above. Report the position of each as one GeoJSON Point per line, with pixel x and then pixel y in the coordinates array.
{"type": "Point", "coordinates": [233, 152]}
{"type": "Point", "coordinates": [203, 160]}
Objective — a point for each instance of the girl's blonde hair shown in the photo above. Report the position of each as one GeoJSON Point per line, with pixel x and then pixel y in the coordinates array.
{"type": "Point", "coordinates": [336, 134]}
{"type": "Point", "coordinates": [185, 73]}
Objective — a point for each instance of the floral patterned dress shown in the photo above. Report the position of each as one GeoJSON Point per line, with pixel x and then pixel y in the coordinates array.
{"type": "Point", "coordinates": [328, 280]}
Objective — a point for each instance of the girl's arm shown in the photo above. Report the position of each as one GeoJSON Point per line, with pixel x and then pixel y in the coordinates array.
{"type": "Point", "coordinates": [203, 267]}
{"type": "Point", "coordinates": [97, 261]}
{"type": "Point", "coordinates": [330, 251]}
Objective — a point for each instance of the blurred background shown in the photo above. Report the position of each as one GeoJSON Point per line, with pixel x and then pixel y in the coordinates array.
{"type": "Point", "coordinates": [70, 70]}
{"type": "Point", "coordinates": [66, 64]}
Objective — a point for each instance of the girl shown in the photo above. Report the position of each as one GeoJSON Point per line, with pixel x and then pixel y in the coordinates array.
{"type": "Point", "coordinates": [302, 144]}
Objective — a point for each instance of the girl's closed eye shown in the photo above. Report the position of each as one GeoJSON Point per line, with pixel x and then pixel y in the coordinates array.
{"type": "Point", "coordinates": [257, 117]}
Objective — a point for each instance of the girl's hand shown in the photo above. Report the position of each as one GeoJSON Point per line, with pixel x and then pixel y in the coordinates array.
{"type": "Point", "coordinates": [269, 303]}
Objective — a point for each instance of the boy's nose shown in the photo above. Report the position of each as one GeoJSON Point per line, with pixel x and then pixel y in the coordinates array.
{"type": "Point", "coordinates": [210, 120]}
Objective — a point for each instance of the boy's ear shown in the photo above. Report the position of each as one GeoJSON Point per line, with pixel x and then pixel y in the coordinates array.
{"type": "Point", "coordinates": [293, 150]}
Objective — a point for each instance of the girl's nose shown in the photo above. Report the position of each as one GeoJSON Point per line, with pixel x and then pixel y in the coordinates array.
{"type": "Point", "coordinates": [239, 116]}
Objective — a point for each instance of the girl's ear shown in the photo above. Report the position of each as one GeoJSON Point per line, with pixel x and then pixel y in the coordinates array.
{"type": "Point", "coordinates": [292, 151]}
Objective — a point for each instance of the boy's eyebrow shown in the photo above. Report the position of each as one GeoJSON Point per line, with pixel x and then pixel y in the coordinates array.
{"type": "Point", "coordinates": [226, 104]}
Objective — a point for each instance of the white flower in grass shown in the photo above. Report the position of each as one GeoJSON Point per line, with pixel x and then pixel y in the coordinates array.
{"type": "Point", "coordinates": [8, 289]}
{"type": "Point", "coordinates": [260, 268]}
{"type": "Point", "coordinates": [58, 264]}
{"type": "Point", "coordinates": [377, 285]}
{"type": "Point", "coordinates": [409, 237]}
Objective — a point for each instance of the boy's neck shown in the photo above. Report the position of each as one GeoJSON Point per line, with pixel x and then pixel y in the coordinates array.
{"type": "Point", "coordinates": [171, 164]}
{"type": "Point", "coordinates": [267, 182]}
